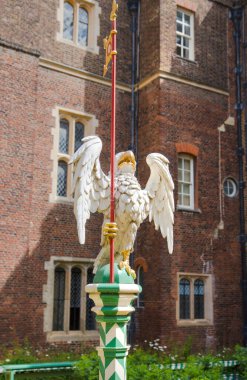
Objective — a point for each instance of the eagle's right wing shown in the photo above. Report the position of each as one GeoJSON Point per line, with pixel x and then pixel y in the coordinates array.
{"type": "Point", "coordinates": [160, 188]}
{"type": "Point", "coordinates": [91, 187]}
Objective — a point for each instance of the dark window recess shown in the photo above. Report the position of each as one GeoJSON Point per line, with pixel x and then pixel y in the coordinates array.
{"type": "Point", "coordinates": [198, 299]}
{"type": "Point", "coordinates": [140, 281]}
{"type": "Point", "coordinates": [90, 315]}
{"type": "Point", "coordinates": [59, 292]}
{"type": "Point", "coordinates": [75, 299]}
{"type": "Point", "coordinates": [184, 299]}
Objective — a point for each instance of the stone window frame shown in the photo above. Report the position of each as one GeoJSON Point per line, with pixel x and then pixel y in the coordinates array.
{"type": "Point", "coordinates": [90, 124]}
{"type": "Point", "coordinates": [48, 298]}
{"type": "Point", "coordinates": [94, 11]}
{"type": "Point", "coordinates": [191, 37]}
{"type": "Point", "coordinates": [208, 300]}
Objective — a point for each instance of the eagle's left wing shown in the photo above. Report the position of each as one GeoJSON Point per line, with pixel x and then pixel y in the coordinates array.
{"type": "Point", "coordinates": [160, 188]}
{"type": "Point", "coordinates": [91, 187]}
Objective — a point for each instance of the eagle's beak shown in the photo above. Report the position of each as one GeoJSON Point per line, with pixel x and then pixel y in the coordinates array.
{"type": "Point", "coordinates": [127, 158]}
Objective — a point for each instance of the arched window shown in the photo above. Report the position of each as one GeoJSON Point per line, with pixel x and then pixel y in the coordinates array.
{"type": "Point", "coordinates": [68, 21]}
{"type": "Point", "coordinates": [79, 134]}
{"type": "Point", "coordinates": [64, 136]}
{"type": "Point", "coordinates": [90, 315]}
{"type": "Point", "coordinates": [59, 297]}
{"type": "Point", "coordinates": [184, 298]}
{"type": "Point", "coordinates": [62, 179]}
{"type": "Point", "coordinates": [140, 281]}
{"type": "Point", "coordinates": [198, 299]}
{"type": "Point", "coordinates": [75, 299]}
{"type": "Point", "coordinates": [83, 27]}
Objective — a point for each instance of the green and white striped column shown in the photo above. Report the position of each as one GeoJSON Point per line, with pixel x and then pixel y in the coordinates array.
{"type": "Point", "coordinates": [113, 306]}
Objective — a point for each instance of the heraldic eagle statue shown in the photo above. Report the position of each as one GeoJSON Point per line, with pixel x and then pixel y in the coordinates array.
{"type": "Point", "coordinates": [91, 190]}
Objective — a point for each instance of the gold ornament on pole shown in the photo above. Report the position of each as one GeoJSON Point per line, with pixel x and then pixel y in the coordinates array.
{"type": "Point", "coordinates": [109, 51]}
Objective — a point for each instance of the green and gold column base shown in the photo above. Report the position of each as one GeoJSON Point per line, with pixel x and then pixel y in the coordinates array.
{"type": "Point", "coordinates": [113, 307]}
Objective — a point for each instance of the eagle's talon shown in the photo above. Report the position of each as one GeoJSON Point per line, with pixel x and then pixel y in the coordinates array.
{"type": "Point", "coordinates": [110, 230]}
{"type": "Point", "coordinates": [125, 265]}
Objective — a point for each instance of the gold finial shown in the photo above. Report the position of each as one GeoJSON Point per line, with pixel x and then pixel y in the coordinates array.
{"type": "Point", "coordinates": [113, 14]}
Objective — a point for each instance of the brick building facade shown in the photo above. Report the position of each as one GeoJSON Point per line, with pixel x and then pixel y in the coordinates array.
{"type": "Point", "coordinates": [51, 85]}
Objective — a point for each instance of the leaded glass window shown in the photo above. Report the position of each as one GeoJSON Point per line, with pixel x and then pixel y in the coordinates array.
{"type": "Point", "coordinates": [59, 297]}
{"type": "Point", "coordinates": [79, 134]}
{"type": "Point", "coordinates": [64, 136]}
{"type": "Point", "coordinates": [198, 299]}
{"type": "Point", "coordinates": [184, 298]}
{"type": "Point", "coordinates": [83, 27]}
{"type": "Point", "coordinates": [75, 299]}
{"type": "Point", "coordinates": [62, 179]}
{"type": "Point", "coordinates": [68, 21]}
{"type": "Point", "coordinates": [90, 315]}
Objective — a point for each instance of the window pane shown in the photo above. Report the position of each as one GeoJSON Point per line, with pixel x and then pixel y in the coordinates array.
{"type": "Point", "coordinates": [62, 179]}
{"type": "Point", "coordinates": [179, 51]}
{"type": "Point", "coordinates": [187, 19]}
{"type": "Point", "coordinates": [185, 42]}
{"type": "Point", "coordinates": [187, 30]}
{"type": "Point", "coordinates": [83, 27]}
{"type": "Point", "coordinates": [179, 40]}
{"type": "Point", "coordinates": [90, 315]}
{"type": "Point", "coordinates": [186, 53]}
{"type": "Point", "coordinates": [186, 200]}
{"type": "Point", "coordinates": [184, 299]}
{"type": "Point", "coordinates": [179, 16]}
{"type": "Point", "coordinates": [186, 164]}
{"type": "Point", "coordinates": [79, 134]}
{"type": "Point", "coordinates": [59, 292]}
{"type": "Point", "coordinates": [199, 299]}
{"type": "Point", "coordinates": [179, 27]}
{"type": "Point", "coordinates": [68, 21]}
{"type": "Point", "coordinates": [75, 299]}
{"type": "Point", "coordinates": [186, 189]}
{"type": "Point", "coordinates": [180, 175]}
{"type": "Point", "coordinates": [180, 199]}
{"type": "Point", "coordinates": [64, 136]}
{"type": "Point", "coordinates": [186, 176]}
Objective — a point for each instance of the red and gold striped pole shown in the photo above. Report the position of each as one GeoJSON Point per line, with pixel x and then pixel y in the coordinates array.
{"type": "Point", "coordinates": [110, 45]}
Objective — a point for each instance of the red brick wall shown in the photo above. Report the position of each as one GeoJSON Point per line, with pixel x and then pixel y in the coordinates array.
{"type": "Point", "coordinates": [35, 25]}
{"type": "Point", "coordinates": [35, 229]}
{"type": "Point", "coordinates": [172, 113]}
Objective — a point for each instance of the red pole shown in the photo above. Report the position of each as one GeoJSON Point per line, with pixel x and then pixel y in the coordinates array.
{"type": "Point", "coordinates": [113, 147]}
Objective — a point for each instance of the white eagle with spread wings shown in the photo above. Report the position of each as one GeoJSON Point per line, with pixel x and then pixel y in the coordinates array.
{"type": "Point", "coordinates": [91, 190]}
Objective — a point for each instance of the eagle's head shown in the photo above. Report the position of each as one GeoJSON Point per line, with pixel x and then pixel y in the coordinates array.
{"type": "Point", "coordinates": [125, 162]}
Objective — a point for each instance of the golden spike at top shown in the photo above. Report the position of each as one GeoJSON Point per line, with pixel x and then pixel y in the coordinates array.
{"type": "Point", "coordinates": [113, 14]}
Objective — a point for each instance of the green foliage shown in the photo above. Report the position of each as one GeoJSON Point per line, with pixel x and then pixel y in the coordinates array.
{"type": "Point", "coordinates": [240, 354]}
{"type": "Point", "coordinates": [88, 366]}
{"type": "Point", "coordinates": [25, 354]}
{"type": "Point", "coordinates": [142, 364]}
{"type": "Point", "coordinates": [147, 365]}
